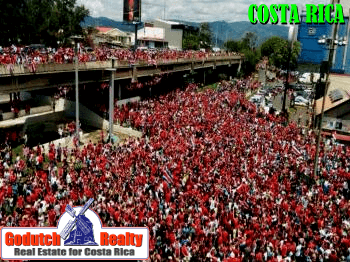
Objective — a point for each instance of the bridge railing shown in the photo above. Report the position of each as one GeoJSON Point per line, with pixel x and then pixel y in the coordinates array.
{"type": "Point", "coordinates": [22, 69]}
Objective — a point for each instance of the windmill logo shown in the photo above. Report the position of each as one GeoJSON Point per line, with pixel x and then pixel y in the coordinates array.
{"type": "Point", "coordinates": [80, 229]}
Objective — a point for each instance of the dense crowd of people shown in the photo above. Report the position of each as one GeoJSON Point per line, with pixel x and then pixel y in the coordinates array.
{"type": "Point", "coordinates": [31, 58]}
{"type": "Point", "coordinates": [213, 178]}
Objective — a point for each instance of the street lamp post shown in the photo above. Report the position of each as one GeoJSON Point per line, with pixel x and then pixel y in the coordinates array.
{"type": "Point", "coordinates": [136, 27]}
{"type": "Point", "coordinates": [286, 85]}
{"type": "Point", "coordinates": [76, 46]}
{"type": "Point", "coordinates": [111, 100]}
{"type": "Point", "coordinates": [291, 38]}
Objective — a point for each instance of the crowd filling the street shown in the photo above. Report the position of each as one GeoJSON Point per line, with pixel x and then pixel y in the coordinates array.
{"type": "Point", "coordinates": [214, 178]}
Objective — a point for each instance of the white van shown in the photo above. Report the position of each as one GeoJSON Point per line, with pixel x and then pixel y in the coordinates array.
{"type": "Point", "coordinates": [258, 100]}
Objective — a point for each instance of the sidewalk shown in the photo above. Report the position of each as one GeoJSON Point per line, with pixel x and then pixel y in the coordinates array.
{"type": "Point", "coordinates": [21, 120]}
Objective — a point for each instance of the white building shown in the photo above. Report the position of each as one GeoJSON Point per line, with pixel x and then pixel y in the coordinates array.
{"type": "Point", "coordinates": [112, 36]}
{"type": "Point", "coordinates": [151, 37]}
{"type": "Point", "coordinates": [173, 32]}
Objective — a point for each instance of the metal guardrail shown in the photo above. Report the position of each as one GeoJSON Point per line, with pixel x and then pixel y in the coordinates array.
{"type": "Point", "coordinates": [10, 70]}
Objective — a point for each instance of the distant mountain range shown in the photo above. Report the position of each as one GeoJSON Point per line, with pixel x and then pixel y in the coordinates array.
{"type": "Point", "coordinates": [104, 21]}
{"type": "Point", "coordinates": [221, 29]}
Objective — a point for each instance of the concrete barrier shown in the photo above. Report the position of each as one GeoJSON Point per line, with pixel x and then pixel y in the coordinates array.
{"type": "Point", "coordinates": [6, 70]}
{"type": "Point", "coordinates": [8, 116]}
{"type": "Point", "coordinates": [40, 109]}
{"type": "Point", "coordinates": [87, 117]}
{"type": "Point", "coordinates": [21, 113]}
{"type": "Point", "coordinates": [129, 100]}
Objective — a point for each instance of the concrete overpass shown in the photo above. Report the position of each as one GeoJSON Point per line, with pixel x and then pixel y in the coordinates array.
{"type": "Point", "coordinates": [19, 78]}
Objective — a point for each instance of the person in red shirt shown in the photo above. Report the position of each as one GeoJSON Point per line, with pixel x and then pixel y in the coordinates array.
{"type": "Point", "coordinates": [333, 257]}
{"type": "Point", "coordinates": [52, 217]}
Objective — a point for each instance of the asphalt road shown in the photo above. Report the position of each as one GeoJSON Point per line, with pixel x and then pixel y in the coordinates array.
{"type": "Point", "coordinates": [297, 112]}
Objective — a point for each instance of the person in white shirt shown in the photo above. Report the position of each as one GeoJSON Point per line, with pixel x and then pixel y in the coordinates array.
{"type": "Point", "coordinates": [298, 251]}
{"type": "Point", "coordinates": [53, 180]}
{"type": "Point", "coordinates": [68, 179]}
{"type": "Point", "coordinates": [60, 132]}
{"type": "Point", "coordinates": [57, 209]}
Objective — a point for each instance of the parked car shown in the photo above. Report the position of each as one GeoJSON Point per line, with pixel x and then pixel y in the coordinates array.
{"type": "Point", "coordinates": [34, 47]}
{"type": "Point", "coordinates": [258, 100]}
{"type": "Point", "coordinates": [262, 92]}
{"type": "Point", "coordinates": [142, 48]}
{"type": "Point", "coordinates": [299, 100]}
{"type": "Point", "coordinates": [308, 91]}
{"type": "Point", "coordinates": [301, 93]}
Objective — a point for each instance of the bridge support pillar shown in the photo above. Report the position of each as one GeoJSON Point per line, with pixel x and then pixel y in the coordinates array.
{"type": "Point", "coordinates": [134, 73]}
{"type": "Point", "coordinates": [204, 77]}
{"type": "Point", "coordinates": [239, 67]}
{"type": "Point", "coordinates": [111, 104]}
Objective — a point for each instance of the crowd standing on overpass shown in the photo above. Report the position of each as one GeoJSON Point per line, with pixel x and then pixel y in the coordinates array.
{"type": "Point", "coordinates": [213, 178]}
{"type": "Point", "coordinates": [31, 58]}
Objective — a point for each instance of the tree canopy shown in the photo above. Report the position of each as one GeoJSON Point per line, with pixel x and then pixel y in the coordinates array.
{"type": "Point", "coordinates": [191, 42]}
{"type": "Point", "coordinates": [249, 40]}
{"type": "Point", "coordinates": [233, 46]}
{"type": "Point", "coordinates": [201, 39]}
{"type": "Point", "coordinates": [40, 21]}
{"type": "Point", "coordinates": [205, 36]}
{"type": "Point", "coordinates": [276, 48]}
{"type": "Point", "coordinates": [247, 46]}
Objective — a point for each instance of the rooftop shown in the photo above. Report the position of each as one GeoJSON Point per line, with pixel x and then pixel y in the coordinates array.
{"type": "Point", "coordinates": [154, 33]}
{"type": "Point", "coordinates": [116, 32]}
{"type": "Point", "coordinates": [168, 22]}
{"type": "Point", "coordinates": [338, 82]}
{"type": "Point", "coordinates": [103, 29]}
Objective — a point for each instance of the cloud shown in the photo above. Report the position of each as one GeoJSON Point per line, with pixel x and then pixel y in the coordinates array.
{"type": "Point", "coordinates": [96, 7]}
{"type": "Point", "coordinates": [187, 10]}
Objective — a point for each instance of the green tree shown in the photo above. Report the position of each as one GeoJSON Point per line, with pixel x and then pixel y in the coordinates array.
{"type": "Point", "coordinates": [247, 46]}
{"type": "Point", "coordinates": [252, 57]}
{"type": "Point", "coordinates": [88, 34]}
{"type": "Point", "coordinates": [11, 23]}
{"type": "Point", "coordinates": [233, 46]}
{"type": "Point", "coordinates": [40, 21]}
{"type": "Point", "coordinates": [205, 36]}
{"type": "Point", "coordinates": [190, 42]}
{"type": "Point", "coordinates": [249, 40]}
{"type": "Point", "coordinates": [277, 49]}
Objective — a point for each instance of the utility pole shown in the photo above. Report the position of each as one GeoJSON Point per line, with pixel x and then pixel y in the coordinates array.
{"type": "Point", "coordinates": [290, 48]}
{"type": "Point", "coordinates": [76, 45]}
{"type": "Point", "coordinates": [164, 10]}
{"type": "Point", "coordinates": [136, 25]}
{"type": "Point", "coordinates": [111, 101]}
{"type": "Point", "coordinates": [331, 45]}
{"type": "Point", "coordinates": [77, 91]}
{"type": "Point", "coordinates": [286, 85]}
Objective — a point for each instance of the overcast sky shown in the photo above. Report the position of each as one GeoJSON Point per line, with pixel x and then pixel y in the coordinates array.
{"type": "Point", "coordinates": [188, 10]}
